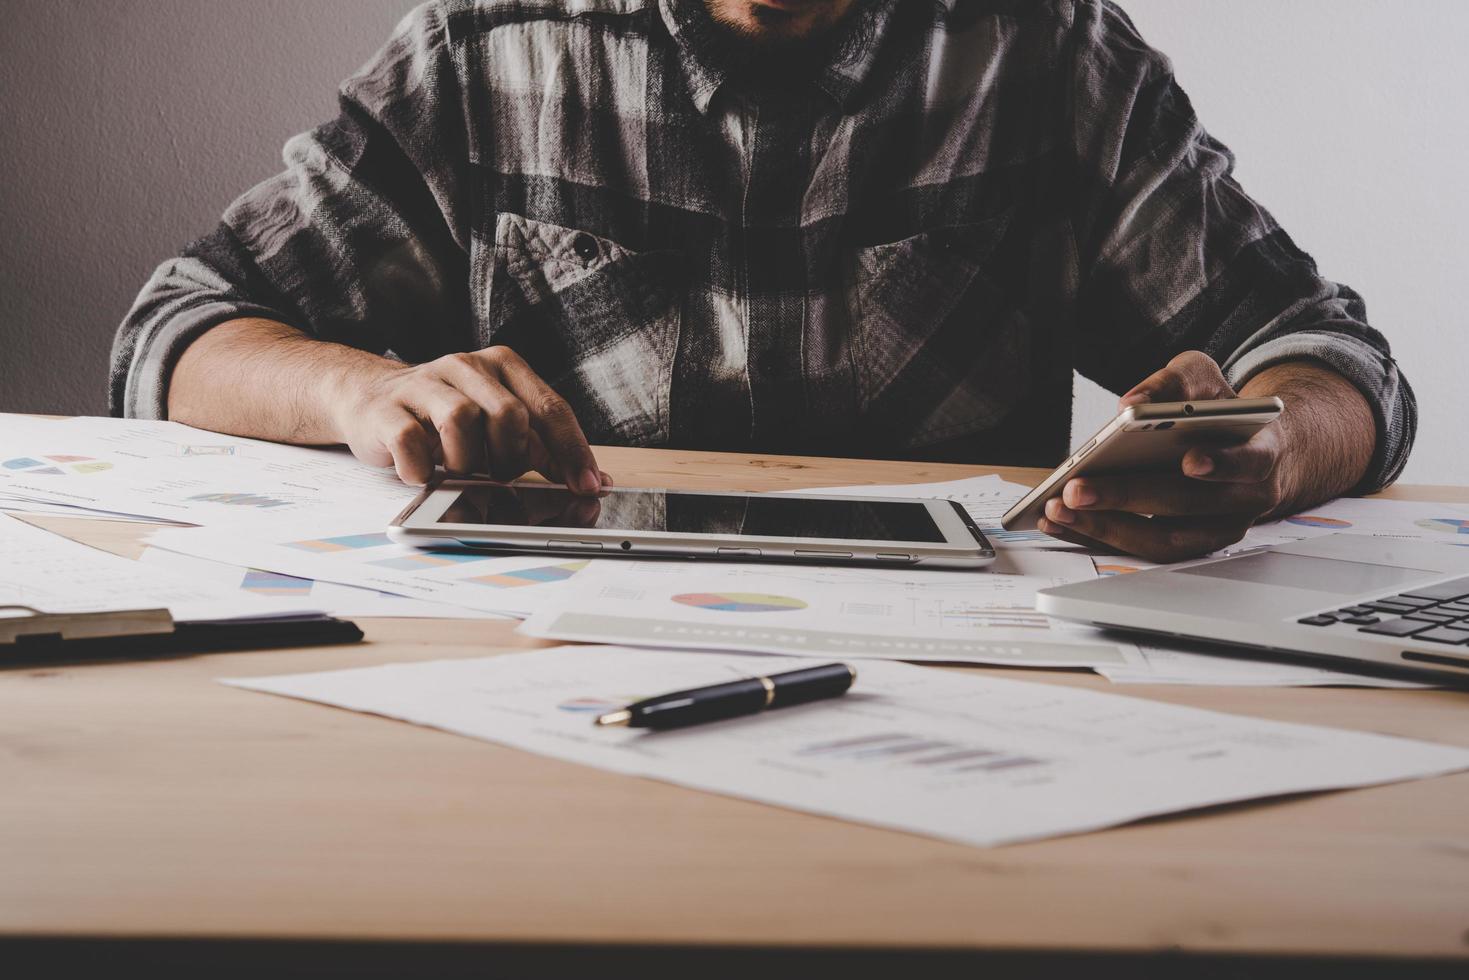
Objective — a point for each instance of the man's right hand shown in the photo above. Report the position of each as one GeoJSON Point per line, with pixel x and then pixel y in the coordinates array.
{"type": "Point", "coordinates": [484, 411]}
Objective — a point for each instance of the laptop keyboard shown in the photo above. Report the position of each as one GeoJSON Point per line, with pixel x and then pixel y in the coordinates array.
{"type": "Point", "coordinates": [1437, 613]}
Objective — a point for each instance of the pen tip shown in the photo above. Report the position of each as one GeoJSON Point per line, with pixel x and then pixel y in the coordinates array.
{"type": "Point", "coordinates": [616, 718]}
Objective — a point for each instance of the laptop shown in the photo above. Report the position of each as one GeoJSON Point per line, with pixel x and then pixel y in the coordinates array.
{"type": "Point", "coordinates": [1341, 600]}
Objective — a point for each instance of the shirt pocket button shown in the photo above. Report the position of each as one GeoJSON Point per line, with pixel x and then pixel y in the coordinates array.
{"type": "Point", "coordinates": [585, 246]}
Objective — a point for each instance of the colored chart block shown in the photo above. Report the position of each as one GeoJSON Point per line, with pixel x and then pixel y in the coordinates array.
{"type": "Point", "coordinates": [59, 464]}
{"type": "Point", "coordinates": [346, 542]}
{"type": "Point", "coordinates": [595, 705]}
{"type": "Point", "coordinates": [740, 602]}
{"type": "Point", "coordinates": [1445, 525]}
{"type": "Point", "coordinates": [273, 583]}
{"type": "Point", "coordinates": [522, 577]}
{"type": "Point", "coordinates": [241, 500]}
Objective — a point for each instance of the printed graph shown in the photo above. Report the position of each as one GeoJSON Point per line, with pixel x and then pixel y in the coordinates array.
{"type": "Point", "coordinates": [434, 558]}
{"type": "Point", "coordinates": [523, 577]}
{"type": "Point", "coordinates": [1316, 520]}
{"type": "Point", "coordinates": [59, 464]}
{"type": "Point", "coordinates": [999, 535]}
{"type": "Point", "coordinates": [345, 542]}
{"type": "Point", "coordinates": [742, 602]}
{"type": "Point", "coordinates": [242, 500]}
{"type": "Point", "coordinates": [273, 583]}
{"type": "Point", "coordinates": [1444, 525]}
{"type": "Point", "coordinates": [921, 752]}
{"type": "Point", "coordinates": [954, 615]}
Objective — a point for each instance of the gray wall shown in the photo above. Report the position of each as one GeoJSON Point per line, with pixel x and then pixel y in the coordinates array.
{"type": "Point", "coordinates": [126, 126]}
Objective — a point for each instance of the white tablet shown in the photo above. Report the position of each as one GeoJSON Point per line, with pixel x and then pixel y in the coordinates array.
{"type": "Point", "coordinates": [693, 524]}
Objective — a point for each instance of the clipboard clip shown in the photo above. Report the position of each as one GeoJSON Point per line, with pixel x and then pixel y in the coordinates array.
{"type": "Point", "coordinates": [37, 627]}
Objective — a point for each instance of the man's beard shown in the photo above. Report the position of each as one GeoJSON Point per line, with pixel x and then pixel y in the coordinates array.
{"type": "Point", "coordinates": [767, 65]}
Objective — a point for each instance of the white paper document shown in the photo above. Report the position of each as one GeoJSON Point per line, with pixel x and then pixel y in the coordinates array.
{"type": "Point", "coordinates": [900, 614]}
{"type": "Point", "coordinates": [1409, 520]}
{"type": "Point", "coordinates": [362, 555]}
{"type": "Point", "coordinates": [172, 472]}
{"type": "Point", "coordinates": [957, 756]}
{"type": "Point", "coordinates": [56, 575]}
{"type": "Point", "coordinates": [346, 601]}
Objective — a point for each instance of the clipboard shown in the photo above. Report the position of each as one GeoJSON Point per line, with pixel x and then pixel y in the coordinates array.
{"type": "Point", "coordinates": [34, 637]}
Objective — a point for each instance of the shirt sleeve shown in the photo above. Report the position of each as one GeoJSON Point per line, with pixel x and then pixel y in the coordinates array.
{"type": "Point", "coordinates": [363, 240]}
{"type": "Point", "coordinates": [1173, 255]}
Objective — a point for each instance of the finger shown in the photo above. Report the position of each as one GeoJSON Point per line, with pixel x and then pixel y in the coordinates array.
{"type": "Point", "coordinates": [410, 446]}
{"type": "Point", "coordinates": [1062, 533]}
{"type": "Point", "coordinates": [1191, 375]}
{"type": "Point", "coordinates": [541, 460]}
{"type": "Point", "coordinates": [1164, 495]}
{"type": "Point", "coordinates": [1158, 539]}
{"type": "Point", "coordinates": [1251, 462]}
{"type": "Point", "coordinates": [505, 418]}
{"type": "Point", "coordinates": [555, 422]}
{"type": "Point", "coordinates": [459, 423]}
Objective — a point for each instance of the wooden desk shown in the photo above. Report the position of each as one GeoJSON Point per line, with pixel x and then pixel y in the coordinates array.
{"type": "Point", "coordinates": [146, 808]}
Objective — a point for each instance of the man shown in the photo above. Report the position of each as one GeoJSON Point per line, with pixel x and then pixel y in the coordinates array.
{"type": "Point", "coordinates": [844, 227]}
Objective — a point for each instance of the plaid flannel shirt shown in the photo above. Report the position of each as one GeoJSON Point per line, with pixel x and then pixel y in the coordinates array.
{"type": "Point", "coordinates": [906, 258]}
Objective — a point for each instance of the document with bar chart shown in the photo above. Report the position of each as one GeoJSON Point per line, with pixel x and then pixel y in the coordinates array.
{"type": "Point", "coordinates": [960, 756]}
{"type": "Point", "coordinates": [983, 616]}
{"type": "Point", "coordinates": [470, 578]}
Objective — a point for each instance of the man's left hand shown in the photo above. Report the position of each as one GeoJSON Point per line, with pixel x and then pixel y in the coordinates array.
{"type": "Point", "coordinates": [1218, 492]}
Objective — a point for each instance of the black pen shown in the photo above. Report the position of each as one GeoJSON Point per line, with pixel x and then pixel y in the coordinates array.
{"type": "Point", "coordinates": [734, 698]}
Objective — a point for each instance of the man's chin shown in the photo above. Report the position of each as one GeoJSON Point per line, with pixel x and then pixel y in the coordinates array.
{"type": "Point", "coordinates": [779, 20]}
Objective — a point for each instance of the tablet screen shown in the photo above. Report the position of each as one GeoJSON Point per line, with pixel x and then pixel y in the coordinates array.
{"type": "Point", "coordinates": [686, 513]}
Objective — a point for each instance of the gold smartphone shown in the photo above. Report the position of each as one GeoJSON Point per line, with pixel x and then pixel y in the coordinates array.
{"type": "Point", "coordinates": [1152, 437]}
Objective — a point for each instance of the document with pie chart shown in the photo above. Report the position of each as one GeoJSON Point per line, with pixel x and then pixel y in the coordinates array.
{"type": "Point", "coordinates": [892, 614]}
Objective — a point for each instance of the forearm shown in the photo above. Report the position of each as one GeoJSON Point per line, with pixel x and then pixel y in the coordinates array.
{"type": "Point", "coordinates": [266, 380]}
{"type": "Point", "coordinates": [1328, 428]}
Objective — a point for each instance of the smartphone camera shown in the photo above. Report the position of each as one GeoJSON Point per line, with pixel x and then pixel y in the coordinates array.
{"type": "Point", "coordinates": [1164, 425]}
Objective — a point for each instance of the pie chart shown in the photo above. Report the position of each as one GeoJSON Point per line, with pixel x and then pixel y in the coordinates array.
{"type": "Point", "coordinates": [739, 602]}
{"type": "Point", "coordinates": [1312, 520]}
{"type": "Point", "coordinates": [1446, 525]}
{"type": "Point", "coordinates": [57, 465]}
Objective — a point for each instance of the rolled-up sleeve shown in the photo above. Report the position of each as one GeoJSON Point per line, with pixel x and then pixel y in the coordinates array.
{"type": "Point", "coordinates": [1173, 255]}
{"type": "Point", "coordinates": [363, 239]}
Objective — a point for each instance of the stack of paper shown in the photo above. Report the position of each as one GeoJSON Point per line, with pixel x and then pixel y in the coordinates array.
{"type": "Point", "coordinates": [361, 554]}
{"type": "Point", "coordinates": [962, 757]}
{"type": "Point", "coordinates": [168, 472]}
{"type": "Point", "coordinates": [345, 601]}
{"type": "Point", "coordinates": [52, 574]}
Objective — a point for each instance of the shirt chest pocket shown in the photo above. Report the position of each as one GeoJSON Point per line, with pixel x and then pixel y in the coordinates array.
{"type": "Point", "coordinates": [940, 342]}
{"type": "Point", "coordinates": [599, 322]}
